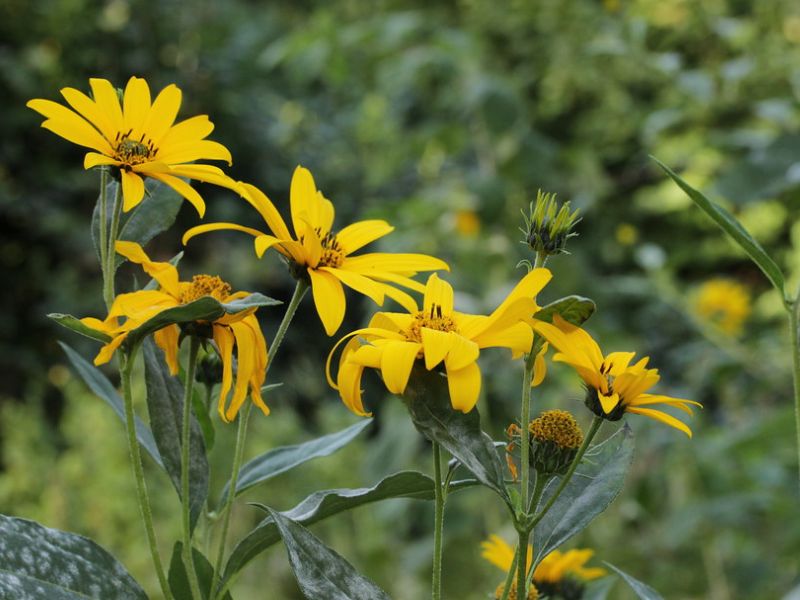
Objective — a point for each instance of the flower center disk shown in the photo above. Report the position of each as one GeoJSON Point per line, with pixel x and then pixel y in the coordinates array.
{"type": "Point", "coordinates": [206, 285]}
{"type": "Point", "coordinates": [133, 152]}
{"type": "Point", "coordinates": [332, 254]}
{"type": "Point", "coordinates": [433, 319]}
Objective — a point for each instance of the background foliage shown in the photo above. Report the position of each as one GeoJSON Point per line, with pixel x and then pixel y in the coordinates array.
{"type": "Point", "coordinates": [443, 118]}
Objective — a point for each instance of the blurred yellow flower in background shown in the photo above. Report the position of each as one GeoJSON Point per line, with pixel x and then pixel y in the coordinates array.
{"type": "Point", "coordinates": [140, 137]}
{"type": "Point", "coordinates": [724, 303]}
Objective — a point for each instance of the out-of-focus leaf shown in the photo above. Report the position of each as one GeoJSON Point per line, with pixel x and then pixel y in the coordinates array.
{"type": "Point", "coordinates": [101, 386]}
{"type": "Point", "coordinates": [728, 223]}
{"type": "Point", "coordinates": [642, 590]}
{"type": "Point", "coordinates": [599, 589]}
{"type": "Point", "coordinates": [179, 581]}
{"type": "Point", "coordinates": [165, 407]}
{"type": "Point", "coordinates": [279, 460]}
{"type": "Point", "coordinates": [39, 562]}
{"type": "Point", "coordinates": [320, 571]}
{"type": "Point", "coordinates": [74, 324]}
{"type": "Point", "coordinates": [428, 401]}
{"type": "Point", "coordinates": [574, 309]}
{"type": "Point", "coordinates": [595, 484]}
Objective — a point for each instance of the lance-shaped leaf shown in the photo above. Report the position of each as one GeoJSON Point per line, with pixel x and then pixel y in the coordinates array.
{"type": "Point", "coordinates": [202, 309]}
{"type": "Point", "coordinates": [39, 562]}
{"type": "Point", "coordinates": [642, 590]}
{"type": "Point", "coordinates": [599, 589]}
{"type": "Point", "coordinates": [165, 407]}
{"type": "Point", "coordinates": [730, 225]}
{"type": "Point", "coordinates": [323, 504]}
{"type": "Point", "coordinates": [595, 484]}
{"type": "Point", "coordinates": [320, 571]}
{"type": "Point", "coordinates": [74, 324]}
{"type": "Point", "coordinates": [279, 460]}
{"type": "Point", "coordinates": [101, 386]}
{"type": "Point", "coordinates": [179, 581]}
{"type": "Point", "coordinates": [428, 401]}
{"type": "Point", "coordinates": [574, 309]}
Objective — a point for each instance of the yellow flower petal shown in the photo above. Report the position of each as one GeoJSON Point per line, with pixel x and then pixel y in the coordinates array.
{"type": "Point", "coordinates": [135, 104]}
{"type": "Point", "coordinates": [465, 387]}
{"type": "Point", "coordinates": [328, 298]}
{"type": "Point", "coordinates": [194, 128]}
{"type": "Point", "coordinates": [198, 229]}
{"type": "Point", "coordinates": [349, 383]}
{"type": "Point", "coordinates": [163, 112]}
{"type": "Point", "coordinates": [223, 337]}
{"type": "Point", "coordinates": [164, 273]}
{"type": "Point", "coordinates": [132, 189]}
{"type": "Point", "coordinates": [69, 125]}
{"type": "Point", "coordinates": [302, 196]}
{"type": "Point", "coordinates": [396, 362]}
{"type": "Point", "coordinates": [93, 159]}
{"type": "Point", "coordinates": [663, 417]}
{"type": "Point", "coordinates": [438, 293]}
{"type": "Point", "coordinates": [105, 96]}
{"type": "Point", "coordinates": [194, 150]}
{"type": "Point", "coordinates": [359, 283]}
{"type": "Point", "coordinates": [107, 351]}
{"type": "Point", "coordinates": [462, 352]}
{"type": "Point", "coordinates": [167, 339]}
{"type": "Point", "coordinates": [312, 247]}
{"type": "Point", "coordinates": [436, 345]}
{"type": "Point", "coordinates": [609, 402]}
{"type": "Point", "coordinates": [87, 108]}
{"type": "Point", "coordinates": [539, 366]}
{"type": "Point", "coordinates": [356, 236]}
{"type": "Point", "coordinates": [379, 261]}
{"type": "Point", "coordinates": [267, 210]}
{"type": "Point", "coordinates": [184, 189]}
{"type": "Point", "coordinates": [498, 552]}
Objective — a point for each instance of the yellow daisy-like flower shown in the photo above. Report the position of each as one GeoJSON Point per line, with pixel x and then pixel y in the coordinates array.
{"type": "Point", "coordinates": [140, 137]}
{"type": "Point", "coordinates": [614, 385]}
{"type": "Point", "coordinates": [393, 342]}
{"type": "Point", "coordinates": [324, 257]}
{"type": "Point", "coordinates": [555, 570]}
{"type": "Point", "coordinates": [240, 330]}
{"type": "Point", "coordinates": [723, 302]}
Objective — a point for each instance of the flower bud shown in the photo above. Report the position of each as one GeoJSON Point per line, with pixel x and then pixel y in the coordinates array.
{"type": "Point", "coordinates": [555, 439]}
{"type": "Point", "coordinates": [548, 226]}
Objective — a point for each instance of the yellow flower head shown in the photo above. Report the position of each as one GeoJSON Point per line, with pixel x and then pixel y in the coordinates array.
{"type": "Point", "coordinates": [240, 329]}
{"type": "Point", "coordinates": [533, 593]}
{"type": "Point", "coordinates": [723, 302]}
{"type": "Point", "coordinates": [324, 257]}
{"type": "Point", "coordinates": [555, 570]}
{"type": "Point", "coordinates": [614, 385]}
{"type": "Point", "coordinates": [558, 427]}
{"type": "Point", "coordinates": [140, 137]}
{"type": "Point", "coordinates": [394, 342]}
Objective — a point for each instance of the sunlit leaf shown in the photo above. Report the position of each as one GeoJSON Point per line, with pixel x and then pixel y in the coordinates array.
{"type": "Point", "coordinates": [574, 309]}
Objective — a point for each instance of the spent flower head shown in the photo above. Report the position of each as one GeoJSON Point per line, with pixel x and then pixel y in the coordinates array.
{"type": "Point", "coordinates": [548, 225]}
{"type": "Point", "coordinates": [139, 138]}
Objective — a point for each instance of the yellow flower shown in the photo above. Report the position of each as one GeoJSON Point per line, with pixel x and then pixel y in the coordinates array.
{"type": "Point", "coordinates": [139, 137]}
{"type": "Point", "coordinates": [724, 303]}
{"type": "Point", "coordinates": [323, 256]}
{"type": "Point", "coordinates": [614, 385]}
{"type": "Point", "coordinates": [555, 570]}
{"type": "Point", "coordinates": [393, 342]}
{"type": "Point", "coordinates": [240, 329]}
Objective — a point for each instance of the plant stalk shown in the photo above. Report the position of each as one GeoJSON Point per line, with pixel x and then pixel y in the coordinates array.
{"type": "Point", "coordinates": [793, 322]}
{"type": "Point", "coordinates": [194, 584]}
{"type": "Point", "coordinates": [103, 230]}
{"type": "Point", "coordinates": [438, 526]}
{"type": "Point", "coordinates": [510, 576]}
{"type": "Point", "coordinates": [138, 472]}
{"type": "Point", "coordinates": [110, 267]}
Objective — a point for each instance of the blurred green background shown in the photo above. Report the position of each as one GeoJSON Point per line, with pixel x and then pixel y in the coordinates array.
{"type": "Point", "coordinates": [443, 118]}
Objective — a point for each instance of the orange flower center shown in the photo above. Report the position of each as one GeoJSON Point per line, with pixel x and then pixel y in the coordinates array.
{"type": "Point", "coordinates": [132, 152]}
{"type": "Point", "coordinates": [206, 285]}
{"type": "Point", "coordinates": [332, 253]}
{"type": "Point", "coordinates": [434, 319]}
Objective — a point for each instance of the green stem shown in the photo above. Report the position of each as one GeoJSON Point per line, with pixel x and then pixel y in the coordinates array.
{"type": "Point", "coordinates": [538, 490]}
{"type": "Point", "coordinates": [138, 471]}
{"type": "Point", "coordinates": [438, 527]}
{"type": "Point", "coordinates": [103, 228]}
{"type": "Point", "coordinates": [793, 322]}
{"type": "Point", "coordinates": [595, 427]}
{"type": "Point", "coordinates": [111, 251]}
{"type": "Point", "coordinates": [188, 560]}
{"type": "Point", "coordinates": [510, 576]}
{"type": "Point", "coordinates": [241, 433]}
{"type": "Point", "coordinates": [522, 562]}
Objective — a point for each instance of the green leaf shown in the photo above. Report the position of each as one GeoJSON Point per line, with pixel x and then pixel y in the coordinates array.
{"type": "Point", "coordinates": [728, 223]}
{"type": "Point", "coordinates": [599, 589]}
{"type": "Point", "coordinates": [39, 562]}
{"type": "Point", "coordinates": [179, 581]}
{"type": "Point", "coordinates": [320, 571]}
{"type": "Point", "coordinates": [102, 387]}
{"type": "Point", "coordinates": [279, 460]}
{"type": "Point", "coordinates": [111, 190]}
{"type": "Point", "coordinates": [165, 407]}
{"type": "Point", "coordinates": [596, 483]}
{"type": "Point", "coordinates": [323, 504]}
{"type": "Point", "coordinates": [202, 416]}
{"type": "Point", "coordinates": [74, 324]}
{"type": "Point", "coordinates": [202, 309]}
{"type": "Point", "coordinates": [428, 401]}
{"type": "Point", "coordinates": [642, 590]}
{"type": "Point", "coordinates": [575, 309]}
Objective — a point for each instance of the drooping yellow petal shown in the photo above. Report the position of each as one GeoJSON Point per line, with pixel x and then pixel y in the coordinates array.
{"type": "Point", "coordinates": [349, 383]}
{"type": "Point", "coordinates": [679, 403]}
{"type": "Point", "coordinates": [359, 283]}
{"type": "Point", "coordinates": [267, 210]}
{"type": "Point", "coordinates": [462, 352]}
{"type": "Point", "coordinates": [198, 229]}
{"type": "Point", "coordinates": [328, 298]}
{"type": "Point", "coordinates": [245, 366]}
{"type": "Point", "coordinates": [539, 366]}
{"type": "Point", "coordinates": [164, 273]}
{"type": "Point", "coordinates": [663, 417]}
{"type": "Point", "coordinates": [517, 338]}
{"type": "Point", "coordinates": [167, 339]}
{"type": "Point", "coordinates": [107, 351]}
{"type": "Point", "coordinates": [396, 362]}
{"type": "Point", "coordinates": [132, 189]}
{"type": "Point", "coordinates": [436, 345]}
{"type": "Point", "coordinates": [223, 337]}
{"type": "Point", "coordinates": [571, 341]}
{"type": "Point", "coordinates": [465, 387]}
{"type": "Point", "coordinates": [94, 159]}
{"type": "Point", "coordinates": [184, 189]}
{"type": "Point", "coordinates": [356, 236]}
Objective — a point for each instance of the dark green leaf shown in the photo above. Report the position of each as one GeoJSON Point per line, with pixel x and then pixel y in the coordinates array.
{"type": "Point", "coordinates": [101, 386]}
{"type": "Point", "coordinates": [733, 228]}
{"type": "Point", "coordinates": [111, 191]}
{"type": "Point", "coordinates": [252, 301]}
{"type": "Point", "coordinates": [320, 571]}
{"type": "Point", "coordinates": [179, 581]}
{"type": "Point", "coordinates": [279, 460]}
{"type": "Point", "coordinates": [39, 562]}
{"type": "Point", "coordinates": [323, 504]}
{"type": "Point", "coordinates": [595, 484]}
{"type": "Point", "coordinates": [428, 400]}
{"type": "Point", "coordinates": [75, 325]}
{"type": "Point", "coordinates": [203, 418]}
{"type": "Point", "coordinates": [165, 407]}
{"type": "Point", "coordinates": [575, 309]}
{"type": "Point", "coordinates": [642, 590]}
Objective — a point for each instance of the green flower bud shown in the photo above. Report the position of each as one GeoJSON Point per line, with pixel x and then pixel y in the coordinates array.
{"type": "Point", "coordinates": [548, 226]}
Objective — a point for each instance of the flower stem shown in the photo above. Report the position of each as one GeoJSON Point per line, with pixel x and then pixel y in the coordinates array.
{"type": "Point", "coordinates": [522, 562]}
{"type": "Point", "coordinates": [241, 434]}
{"type": "Point", "coordinates": [188, 560]}
{"type": "Point", "coordinates": [595, 427]}
{"type": "Point", "coordinates": [438, 526]}
{"type": "Point", "coordinates": [510, 576]}
{"type": "Point", "coordinates": [103, 228]}
{"type": "Point", "coordinates": [138, 472]}
{"type": "Point", "coordinates": [111, 253]}
{"type": "Point", "coordinates": [793, 322]}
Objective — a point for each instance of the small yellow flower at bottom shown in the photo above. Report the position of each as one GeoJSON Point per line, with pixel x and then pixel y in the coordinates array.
{"type": "Point", "coordinates": [533, 593]}
{"type": "Point", "coordinates": [240, 330]}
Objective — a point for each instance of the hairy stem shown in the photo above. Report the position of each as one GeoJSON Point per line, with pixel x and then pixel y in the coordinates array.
{"type": "Point", "coordinates": [188, 561]}
{"type": "Point", "coordinates": [110, 267]}
{"type": "Point", "coordinates": [438, 526]}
